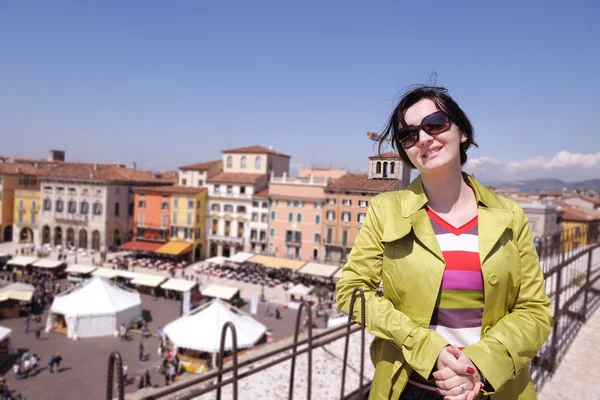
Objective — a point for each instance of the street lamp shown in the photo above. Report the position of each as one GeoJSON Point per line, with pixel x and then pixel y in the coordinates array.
{"type": "Point", "coordinates": [262, 292]}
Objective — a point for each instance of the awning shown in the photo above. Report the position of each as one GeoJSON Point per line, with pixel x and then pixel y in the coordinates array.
{"type": "Point", "coordinates": [127, 274]}
{"type": "Point", "coordinates": [140, 245]}
{"type": "Point", "coordinates": [300, 290]}
{"type": "Point", "coordinates": [4, 333]}
{"type": "Point", "coordinates": [148, 280]}
{"type": "Point", "coordinates": [178, 285]}
{"type": "Point", "coordinates": [221, 292]}
{"type": "Point", "coordinates": [175, 248]}
{"type": "Point", "coordinates": [241, 257]}
{"type": "Point", "coordinates": [80, 269]}
{"type": "Point", "coordinates": [338, 274]}
{"type": "Point", "coordinates": [16, 295]}
{"type": "Point", "coordinates": [106, 272]}
{"type": "Point", "coordinates": [276, 262]}
{"type": "Point", "coordinates": [22, 261]}
{"type": "Point", "coordinates": [316, 269]}
{"type": "Point", "coordinates": [47, 264]}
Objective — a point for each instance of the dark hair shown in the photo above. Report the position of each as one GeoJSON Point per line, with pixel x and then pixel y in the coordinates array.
{"type": "Point", "coordinates": [443, 102]}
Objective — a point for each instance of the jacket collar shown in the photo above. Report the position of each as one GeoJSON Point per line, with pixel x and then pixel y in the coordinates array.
{"type": "Point", "coordinates": [494, 217]}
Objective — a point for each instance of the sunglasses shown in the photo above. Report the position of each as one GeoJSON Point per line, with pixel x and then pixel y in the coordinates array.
{"type": "Point", "coordinates": [433, 124]}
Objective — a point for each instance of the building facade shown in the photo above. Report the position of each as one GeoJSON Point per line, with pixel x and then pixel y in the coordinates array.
{"type": "Point", "coordinates": [90, 205]}
{"type": "Point", "coordinates": [195, 175]}
{"type": "Point", "coordinates": [188, 219]}
{"type": "Point", "coordinates": [26, 215]}
{"type": "Point", "coordinates": [543, 219]}
{"type": "Point", "coordinates": [14, 177]}
{"type": "Point", "coordinates": [296, 215]}
{"type": "Point", "coordinates": [259, 222]}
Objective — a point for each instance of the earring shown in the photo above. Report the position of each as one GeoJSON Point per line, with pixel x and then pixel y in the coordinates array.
{"type": "Point", "coordinates": [463, 140]}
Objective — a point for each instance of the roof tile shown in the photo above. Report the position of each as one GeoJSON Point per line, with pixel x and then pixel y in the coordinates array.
{"type": "Point", "coordinates": [232, 177]}
{"type": "Point", "coordinates": [362, 183]}
{"type": "Point", "coordinates": [256, 149]}
{"type": "Point", "coordinates": [203, 166]}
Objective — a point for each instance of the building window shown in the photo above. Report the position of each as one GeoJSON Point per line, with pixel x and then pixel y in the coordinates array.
{"type": "Point", "coordinates": [329, 235]}
{"type": "Point", "coordinates": [290, 217]}
{"type": "Point", "coordinates": [243, 163]}
{"type": "Point", "coordinates": [317, 238]}
{"type": "Point", "coordinates": [174, 219]}
{"type": "Point", "coordinates": [33, 221]}
{"type": "Point", "coordinates": [228, 208]}
{"type": "Point", "coordinates": [174, 232]}
{"type": "Point", "coordinates": [200, 182]}
{"type": "Point", "coordinates": [189, 218]}
{"type": "Point", "coordinates": [72, 207]}
{"type": "Point", "coordinates": [117, 209]}
{"type": "Point", "coordinates": [175, 202]}
{"type": "Point", "coordinates": [296, 204]}
{"type": "Point", "coordinates": [215, 207]}
{"type": "Point", "coordinates": [317, 219]}
{"type": "Point", "coordinates": [299, 217]}
{"type": "Point", "coordinates": [229, 161]}
{"type": "Point", "coordinates": [60, 205]}
{"type": "Point", "coordinates": [254, 217]}
{"type": "Point", "coordinates": [344, 237]}
{"type": "Point", "coordinates": [164, 206]}
{"type": "Point", "coordinates": [363, 203]}
{"type": "Point", "coordinates": [272, 232]}
{"type": "Point", "coordinates": [243, 189]}
{"type": "Point", "coordinates": [272, 215]}
{"type": "Point", "coordinates": [331, 201]}
{"type": "Point", "coordinates": [241, 209]}
{"type": "Point", "coordinates": [392, 167]}
{"type": "Point", "coordinates": [229, 189]}
{"type": "Point", "coordinates": [184, 182]}
{"type": "Point", "coordinates": [264, 218]}
{"type": "Point", "coordinates": [378, 167]}
{"type": "Point", "coordinates": [20, 218]}
{"type": "Point", "coordinates": [97, 208]}
{"type": "Point", "coordinates": [346, 217]}
{"type": "Point", "coordinates": [164, 221]}
{"type": "Point", "coordinates": [142, 204]}
{"type": "Point", "coordinates": [257, 163]}
{"type": "Point", "coordinates": [47, 204]}
{"type": "Point", "coordinates": [21, 205]}
{"type": "Point", "coordinates": [197, 234]}
{"type": "Point", "coordinates": [141, 219]}
{"type": "Point", "coordinates": [84, 208]}
{"type": "Point", "coordinates": [330, 215]}
{"type": "Point", "coordinates": [217, 189]}
{"type": "Point", "coordinates": [347, 202]}
{"type": "Point", "coordinates": [198, 204]}
{"type": "Point", "coordinates": [190, 203]}
{"type": "Point", "coordinates": [33, 205]}
{"type": "Point", "coordinates": [361, 217]}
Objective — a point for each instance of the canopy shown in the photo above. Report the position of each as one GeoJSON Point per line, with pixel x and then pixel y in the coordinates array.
{"type": "Point", "coordinates": [276, 262]}
{"type": "Point", "coordinates": [201, 329]}
{"type": "Point", "coordinates": [4, 333]}
{"type": "Point", "coordinates": [315, 269]}
{"type": "Point", "coordinates": [220, 292]}
{"type": "Point", "coordinates": [47, 264]}
{"type": "Point", "coordinates": [216, 260]}
{"type": "Point", "coordinates": [80, 269]}
{"type": "Point", "coordinates": [241, 257]}
{"type": "Point", "coordinates": [175, 248]}
{"type": "Point", "coordinates": [97, 308]}
{"type": "Point", "coordinates": [126, 274]}
{"type": "Point", "coordinates": [338, 274]}
{"type": "Point", "coordinates": [17, 291]}
{"type": "Point", "coordinates": [140, 245]}
{"type": "Point", "coordinates": [106, 273]}
{"type": "Point", "coordinates": [148, 280]}
{"type": "Point", "coordinates": [179, 285]}
{"type": "Point", "coordinates": [22, 261]}
{"type": "Point", "coordinates": [300, 290]}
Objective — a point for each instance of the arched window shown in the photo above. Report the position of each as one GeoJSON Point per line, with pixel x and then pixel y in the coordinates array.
{"type": "Point", "coordinates": [385, 170]}
{"type": "Point", "coordinates": [229, 161]}
{"type": "Point", "coordinates": [378, 168]}
{"type": "Point", "coordinates": [97, 208]}
{"type": "Point", "coordinates": [258, 163]}
{"type": "Point", "coordinates": [60, 205]}
{"type": "Point", "coordinates": [392, 167]}
{"type": "Point", "coordinates": [47, 204]}
{"type": "Point", "coordinates": [243, 163]}
{"type": "Point", "coordinates": [72, 206]}
{"type": "Point", "coordinates": [84, 207]}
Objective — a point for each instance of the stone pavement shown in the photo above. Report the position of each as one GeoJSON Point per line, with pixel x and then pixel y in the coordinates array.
{"type": "Point", "coordinates": [578, 375]}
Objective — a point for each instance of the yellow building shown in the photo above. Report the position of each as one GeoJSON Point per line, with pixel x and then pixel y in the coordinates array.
{"type": "Point", "coordinates": [26, 215]}
{"type": "Point", "coordinates": [15, 177]}
{"type": "Point", "coordinates": [578, 225]}
{"type": "Point", "coordinates": [187, 222]}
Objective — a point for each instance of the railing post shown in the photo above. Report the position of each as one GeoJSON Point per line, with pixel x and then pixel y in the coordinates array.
{"type": "Point", "coordinates": [221, 359]}
{"type": "Point", "coordinates": [347, 340]}
{"type": "Point", "coordinates": [588, 285]}
{"type": "Point", "coordinates": [303, 305]}
{"type": "Point", "coordinates": [115, 359]}
{"type": "Point", "coordinates": [556, 327]}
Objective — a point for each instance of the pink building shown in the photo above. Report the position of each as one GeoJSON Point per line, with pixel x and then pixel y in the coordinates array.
{"type": "Point", "coordinates": [296, 216]}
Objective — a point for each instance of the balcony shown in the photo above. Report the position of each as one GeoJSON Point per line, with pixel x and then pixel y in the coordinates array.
{"type": "Point", "coordinates": [223, 238]}
{"type": "Point", "coordinates": [68, 218]}
{"type": "Point", "coordinates": [292, 243]}
{"type": "Point", "coordinates": [147, 225]}
{"type": "Point", "coordinates": [256, 239]}
{"type": "Point", "coordinates": [225, 195]}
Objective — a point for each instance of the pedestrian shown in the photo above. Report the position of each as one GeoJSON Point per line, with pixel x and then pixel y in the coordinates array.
{"type": "Point", "coordinates": [277, 313]}
{"type": "Point", "coordinates": [141, 351]}
{"type": "Point", "coordinates": [160, 351]}
{"type": "Point", "coordinates": [57, 360]}
{"type": "Point", "coordinates": [125, 370]}
{"type": "Point", "coordinates": [441, 247]}
{"type": "Point", "coordinates": [148, 382]}
{"type": "Point", "coordinates": [27, 321]}
{"type": "Point", "coordinates": [17, 370]}
{"type": "Point", "coordinates": [38, 331]}
{"type": "Point", "coordinates": [123, 332]}
{"type": "Point", "coordinates": [267, 310]}
{"type": "Point", "coordinates": [51, 364]}
{"type": "Point", "coordinates": [35, 363]}
{"type": "Point", "coordinates": [172, 372]}
{"type": "Point", "coordinates": [93, 261]}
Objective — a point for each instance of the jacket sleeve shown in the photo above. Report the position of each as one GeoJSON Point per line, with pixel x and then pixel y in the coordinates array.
{"type": "Point", "coordinates": [511, 344]}
{"type": "Point", "coordinates": [420, 346]}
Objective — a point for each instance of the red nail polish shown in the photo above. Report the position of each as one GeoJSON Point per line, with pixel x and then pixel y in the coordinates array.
{"type": "Point", "coordinates": [470, 370]}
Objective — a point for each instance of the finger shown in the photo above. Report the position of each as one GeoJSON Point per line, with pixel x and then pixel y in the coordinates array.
{"type": "Point", "coordinates": [443, 374]}
{"type": "Point", "coordinates": [453, 350]}
{"type": "Point", "coordinates": [460, 367]}
{"type": "Point", "coordinates": [454, 382]}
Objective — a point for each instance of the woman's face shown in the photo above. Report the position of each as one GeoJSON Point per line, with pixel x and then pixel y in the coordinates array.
{"type": "Point", "coordinates": [432, 154]}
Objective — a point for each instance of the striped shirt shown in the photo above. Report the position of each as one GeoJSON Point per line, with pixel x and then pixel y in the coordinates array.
{"type": "Point", "coordinates": [459, 310]}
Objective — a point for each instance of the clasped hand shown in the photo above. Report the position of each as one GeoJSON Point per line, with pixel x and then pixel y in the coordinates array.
{"type": "Point", "coordinates": [455, 370]}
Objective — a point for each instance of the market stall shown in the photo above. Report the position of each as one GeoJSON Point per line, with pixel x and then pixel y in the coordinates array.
{"type": "Point", "coordinates": [178, 286]}
{"type": "Point", "coordinates": [5, 340]}
{"type": "Point", "coordinates": [96, 308]}
{"type": "Point", "coordinates": [226, 293]}
{"type": "Point", "coordinates": [54, 269]}
{"type": "Point", "coordinates": [148, 283]}
{"type": "Point", "coordinates": [14, 298]}
{"type": "Point", "coordinates": [78, 273]}
{"type": "Point", "coordinates": [20, 263]}
{"type": "Point", "coordinates": [106, 273]}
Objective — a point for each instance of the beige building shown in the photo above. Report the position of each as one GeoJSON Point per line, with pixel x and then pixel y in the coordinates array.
{"type": "Point", "coordinates": [590, 203]}
{"type": "Point", "coordinates": [255, 160]}
{"type": "Point", "coordinates": [543, 219]}
{"type": "Point", "coordinates": [195, 175]}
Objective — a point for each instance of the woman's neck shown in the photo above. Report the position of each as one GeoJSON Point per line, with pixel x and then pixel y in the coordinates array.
{"type": "Point", "coordinates": [445, 191]}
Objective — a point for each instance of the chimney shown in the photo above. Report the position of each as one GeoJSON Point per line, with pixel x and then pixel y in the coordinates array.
{"type": "Point", "coordinates": [134, 165]}
{"type": "Point", "coordinates": [95, 166]}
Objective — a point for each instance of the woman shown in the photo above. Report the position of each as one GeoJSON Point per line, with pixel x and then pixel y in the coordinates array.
{"type": "Point", "coordinates": [464, 307]}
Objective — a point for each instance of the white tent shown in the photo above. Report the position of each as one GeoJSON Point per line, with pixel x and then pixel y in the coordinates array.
{"type": "Point", "coordinates": [5, 340]}
{"type": "Point", "coordinates": [241, 257]}
{"type": "Point", "coordinates": [299, 290]}
{"type": "Point", "coordinates": [97, 308]}
{"type": "Point", "coordinates": [201, 329]}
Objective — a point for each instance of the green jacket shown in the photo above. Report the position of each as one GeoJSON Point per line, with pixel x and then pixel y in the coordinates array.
{"type": "Point", "coordinates": [397, 246]}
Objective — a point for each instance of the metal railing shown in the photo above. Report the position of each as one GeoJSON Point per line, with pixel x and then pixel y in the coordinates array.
{"type": "Point", "coordinates": [571, 264]}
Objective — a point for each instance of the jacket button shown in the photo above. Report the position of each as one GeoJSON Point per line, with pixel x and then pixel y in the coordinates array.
{"type": "Point", "coordinates": [486, 329]}
{"type": "Point", "coordinates": [493, 279]}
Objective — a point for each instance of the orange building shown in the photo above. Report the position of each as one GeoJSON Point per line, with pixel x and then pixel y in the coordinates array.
{"type": "Point", "coordinates": [151, 216]}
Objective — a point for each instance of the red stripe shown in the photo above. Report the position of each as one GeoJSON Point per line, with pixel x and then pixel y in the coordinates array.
{"type": "Point", "coordinates": [462, 261]}
{"type": "Point", "coordinates": [450, 228]}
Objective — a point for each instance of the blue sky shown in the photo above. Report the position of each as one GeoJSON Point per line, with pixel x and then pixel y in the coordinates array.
{"type": "Point", "coordinates": [166, 83]}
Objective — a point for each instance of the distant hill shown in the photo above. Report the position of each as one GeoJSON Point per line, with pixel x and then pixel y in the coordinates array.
{"type": "Point", "coordinates": [554, 185]}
